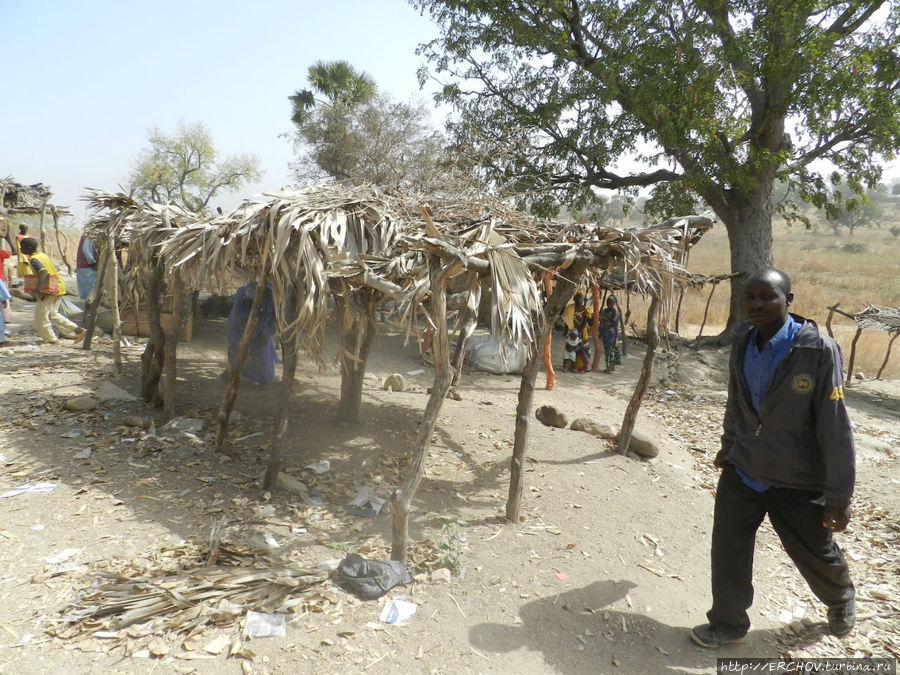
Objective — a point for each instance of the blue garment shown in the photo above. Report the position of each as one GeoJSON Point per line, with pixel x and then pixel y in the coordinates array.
{"type": "Point", "coordinates": [85, 277]}
{"type": "Point", "coordinates": [759, 368]}
{"type": "Point", "coordinates": [261, 359]}
{"type": "Point", "coordinates": [4, 297]}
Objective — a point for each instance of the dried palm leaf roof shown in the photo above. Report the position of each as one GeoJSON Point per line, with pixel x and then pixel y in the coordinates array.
{"type": "Point", "coordinates": [361, 236]}
{"type": "Point", "coordinates": [877, 317]}
{"type": "Point", "coordinates": [27, 199]}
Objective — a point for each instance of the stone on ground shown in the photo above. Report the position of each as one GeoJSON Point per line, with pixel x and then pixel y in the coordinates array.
{"type": "Point", "coordinates": [82, 403]}
{"type": "Point", "coordinates": [550, 416]}
{"type": "Point", "coordinates": [594, 427]}
{"type": "Point", "coordinates": [394, 382]}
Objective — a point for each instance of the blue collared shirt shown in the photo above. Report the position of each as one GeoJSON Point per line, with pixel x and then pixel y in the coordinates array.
{"type": "Point", "coordinates": [759, 368]}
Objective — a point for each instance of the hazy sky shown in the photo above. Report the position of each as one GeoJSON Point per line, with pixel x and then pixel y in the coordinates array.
{"type": "Point", "coordinates": [85, 80]}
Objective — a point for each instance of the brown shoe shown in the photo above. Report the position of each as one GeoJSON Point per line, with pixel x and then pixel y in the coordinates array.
{"type": "Point", "coordinates": [79, 334]}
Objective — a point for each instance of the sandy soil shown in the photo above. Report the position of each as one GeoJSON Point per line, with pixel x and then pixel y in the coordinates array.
{"type": "Point", "coordinates": [605, 574]}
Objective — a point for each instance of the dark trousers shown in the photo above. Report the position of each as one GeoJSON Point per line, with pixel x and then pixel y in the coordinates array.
{"type": "Point", "coordinates": [798, 522]}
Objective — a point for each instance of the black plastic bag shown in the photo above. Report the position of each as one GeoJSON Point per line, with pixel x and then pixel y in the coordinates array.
{"type": "Point", "coordinates": [371, 579]}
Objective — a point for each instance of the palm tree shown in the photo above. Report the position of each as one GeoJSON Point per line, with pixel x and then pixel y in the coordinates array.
{"type": "Point", "coordinates": [337, 82]}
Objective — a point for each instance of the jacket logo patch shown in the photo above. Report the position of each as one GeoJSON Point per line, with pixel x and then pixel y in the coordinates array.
{"type": "Point", "coordinates": [802, 384]}
{"type": "Point", "coordinates": [837, 394]}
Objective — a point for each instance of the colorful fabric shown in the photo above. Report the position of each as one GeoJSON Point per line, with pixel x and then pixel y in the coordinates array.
{"type": "Point", "coordinates": [4, 297]}
{"type": "Point", "coordinates": [41, 261]}
{"type": "Point", "coordinates": [261, 359]}
{"type": "Point", "coordinates": [609, 336]}
{"type": "Point", "coordinates": [581, 322]}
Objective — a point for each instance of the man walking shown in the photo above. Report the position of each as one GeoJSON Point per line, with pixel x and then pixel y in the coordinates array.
{"type": "Point", "coordinates": [47, 314]}
{"type": "Point", "coordinates": [787, 452]}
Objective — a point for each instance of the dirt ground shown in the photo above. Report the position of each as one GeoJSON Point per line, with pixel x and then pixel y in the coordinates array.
{"type": "Point", "coordinates": [606, 573]}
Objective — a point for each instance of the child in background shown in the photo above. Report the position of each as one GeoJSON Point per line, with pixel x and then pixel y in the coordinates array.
{"type": "Point", "coordinates": [570, 352]}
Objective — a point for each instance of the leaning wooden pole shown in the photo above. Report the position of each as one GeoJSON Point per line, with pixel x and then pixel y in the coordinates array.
{"type": "Point", "coordinates": [643, 382]}
{"type": "Point", "coordinates": [887, 354]}
{"type": "Point", "coordinates": [289, 342]}
{"type": "Point", "coordinates": [153, 358]}
{"type": "Point", "coordinates": [96, 299]}
{"type": "Point", "coordinates": [240, 358]}
{"type": "Point", "coordinates": [565, 288]}
{"type": "Point", "coordinates": [705, 313]}
{"type": "Point", "coordinates": [440, 343]}
{"type": "Point", "coordinates": [859, 331]}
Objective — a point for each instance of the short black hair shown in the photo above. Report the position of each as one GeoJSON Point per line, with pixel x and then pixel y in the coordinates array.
{"type": "Point", "coordinates": [771, 276]}
{"type": "Point", "coordinates": [28, 245]}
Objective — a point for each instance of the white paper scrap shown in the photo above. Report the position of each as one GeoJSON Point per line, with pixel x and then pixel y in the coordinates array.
{"type": "Point", "coordinates": [264, 625]}
{"type": "Point", "coordinates": [398, 610]}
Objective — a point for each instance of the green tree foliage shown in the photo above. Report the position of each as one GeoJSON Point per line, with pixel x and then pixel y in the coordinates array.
{"type": "Point", "coordinates": [853, 211]}
{"type": "Point", "coordinates": [184, 168]}
{"type": "Point", "coordinates": [715, 99]}
{"type": "Point", "coordinates": [363, 135]}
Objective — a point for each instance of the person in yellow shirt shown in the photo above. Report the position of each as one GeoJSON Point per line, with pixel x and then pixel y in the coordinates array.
{"type": "Point", "coordinates": [47, 314]}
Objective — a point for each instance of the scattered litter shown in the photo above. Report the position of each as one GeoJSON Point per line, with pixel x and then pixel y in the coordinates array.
{"type": "Point", "coordinates": [398, 610]}
{"type": "Point", "coordinates": [270, 540]}
{"type": "Point", "coordinates": [75, 433]}
{"type": "Point", "coordinates": [253, 435]}
{"type": "Point", "coordinates": [189, 425]}
{"type": "Point", "coordinates": [40, 487]}
{"type": "Point", "coordinates": [328, 565]}
{"type": "Point", "coordinates": [372, 578]}
{"type": "Point", "coordinates": [264, 512]}
{"type": "Point", "coordinates": [219, 645]}
{"type": "Point", "coordinates": [205, 479]}
{"type": "Point", "coordinates": [38, 528]}
{"type": "Point", "coordinates": [562, 575]}
{"type": "Point", "coordinates": [84, 454]}
{"type": "Point", "coordinates": [648, 539]}
{"type": "Point", "coordinates": [368, 502]}
{"type": "Point", "coordinates": [110, 392]}
{"type": "Point", "coordinates": [321, 466]}
{"type": "Point", "coordinates": [264, 625]}
{"type": "Point", "coordinates": [62, 556]}
{"type": "Point", "coordinates": [417, 371]}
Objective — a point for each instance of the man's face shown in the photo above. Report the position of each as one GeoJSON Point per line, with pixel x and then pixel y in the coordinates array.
{"type": "Point", "coordinates": [765, 303]}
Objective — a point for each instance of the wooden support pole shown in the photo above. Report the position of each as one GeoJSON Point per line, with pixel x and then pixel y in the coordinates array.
{"type": "Point", "coordinates": [887, 354]}
{"type": "Point", "coordinates": [623, 321]}
{"type": "Point", "coordinates": [289, 343]}
{"type": "Point", "coordinates": [566, 284]}
{"type": "Point", "coordinates": [113, 271]}
{"type": "Point", "coordinates": [595, 325]}
{"type": "Point", "coordinates": [859, 331]}
{"type": "Point", "coordinates": [467, 324]}
{"type": "Point", "coordinates": [239, 360]}
{"type": "Point", "coordinates": [440, 344]}
{"type": "Point", "coordinates": [61, 245]}
{"type": "Point", "coordinates": [678, 311]}
{"type": "Point", "coordinates": [705, 312]}
{"type": "Point", "coordinates": [643, 382]}
{"type": "Point", "coordinates": [357, 337]}
{"type": "Point", "coordinates": [153, 358]}
{"type": "Point", "coordinates": [181, 311]}
{"type": "Point", "coordinates": [41, 227]}
{"type": "Point", "coordinates": [95, 299]}
{"type": "Point", "coordinates": [548, 341]}
{"type": "Point", "coordinates": [831, 311]}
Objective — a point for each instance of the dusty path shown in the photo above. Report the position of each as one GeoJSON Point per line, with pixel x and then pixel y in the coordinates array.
{"type": "Point", "coordinates": [605, 574]}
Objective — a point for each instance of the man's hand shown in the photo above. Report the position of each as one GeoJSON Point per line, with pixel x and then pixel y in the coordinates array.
{"type": "Point", "coordinates": [836, 518]}
{"type": "Point", "coordinates": [721, 458]}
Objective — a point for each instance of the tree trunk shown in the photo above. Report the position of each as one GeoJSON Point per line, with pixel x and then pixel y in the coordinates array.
{"type": "Point", "coordinates": [289, 342]}
{"type": "Point", "coordinates": [566, 283]}
{"type": "Point", "coordinates": [467, 324]}
{"type": "Point", "coordinates": [637, 396]}
{"type": "Point", "coordinates": [403, 495]}
{"type": "Point", "coordinates": [748, 221]}
{"type": "Point", "coordinates": [114, 300]}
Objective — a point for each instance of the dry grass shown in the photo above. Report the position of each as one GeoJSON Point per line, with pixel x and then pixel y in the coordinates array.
{"type": "Point", "coordinates": [824, 270]}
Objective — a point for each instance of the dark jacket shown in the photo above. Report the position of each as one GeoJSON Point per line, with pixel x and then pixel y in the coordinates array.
{"type": "Point", "coordinates": [801, 436]}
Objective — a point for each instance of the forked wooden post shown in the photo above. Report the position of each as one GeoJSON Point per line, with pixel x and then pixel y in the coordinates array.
{"type": "Point", "coordinates": [440, 344]}
{"type": "Point", "coordinates": [562, 293]}
{"type": "Point", "coordinates": [705, 313]}
{"type": "Point", "coordinates": [240, 358]}
{"type": "Point", "coordinates": [114, 299]}
{"type": "Point", "coordinates": [643, 382]}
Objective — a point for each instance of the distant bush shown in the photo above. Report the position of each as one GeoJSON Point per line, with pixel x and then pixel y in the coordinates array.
{"type": "Point", "coordinates": [854, 247]}
{"type": "Point", "coordinates": [895, 230]}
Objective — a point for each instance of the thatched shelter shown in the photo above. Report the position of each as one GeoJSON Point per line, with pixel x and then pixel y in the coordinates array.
{"type": "Point", "coordinates": [31, 200]}
{"type": "Point", "coordinates": [359, 245]}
